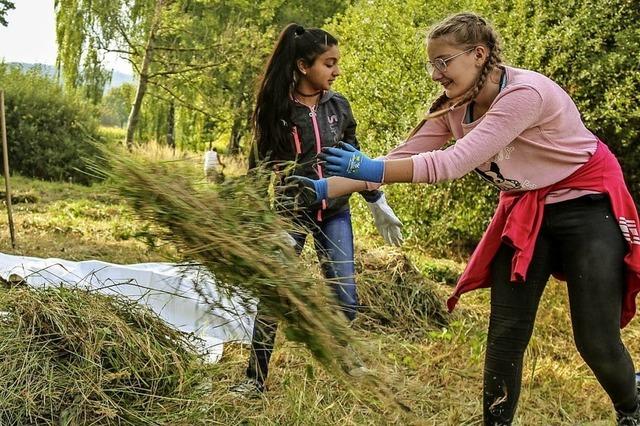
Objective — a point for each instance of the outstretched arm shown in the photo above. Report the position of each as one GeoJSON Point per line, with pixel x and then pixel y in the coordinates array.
{"type": "Point", "coordinates": [394, 171]}
{"type": "Point", "coordinates": [312, 191]}
{"type": "Point", "coordinates": [352, 164]}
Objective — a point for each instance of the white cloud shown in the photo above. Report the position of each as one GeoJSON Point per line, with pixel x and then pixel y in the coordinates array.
{"type": "Point", "coordinates": [30, 36]}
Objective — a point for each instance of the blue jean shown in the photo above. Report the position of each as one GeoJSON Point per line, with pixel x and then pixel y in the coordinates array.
{"type": "Point", "coordinates": [333, 239]}
{"type": "Point", "coordinates": [581, 239]}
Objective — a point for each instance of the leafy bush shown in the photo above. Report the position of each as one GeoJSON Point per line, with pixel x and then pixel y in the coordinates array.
{"type": "Point", "coordinates": [116, 105]}
{"type": "Point", "coordinates": [50, 131]}
{"type": "Point", "coordinates": [384, 77]}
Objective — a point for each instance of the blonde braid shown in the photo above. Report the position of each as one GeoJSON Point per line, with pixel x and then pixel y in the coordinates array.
{"type": "Point", "coordinates": [472, 93]}
{"type": "Point", "coordinates": [467, 29]}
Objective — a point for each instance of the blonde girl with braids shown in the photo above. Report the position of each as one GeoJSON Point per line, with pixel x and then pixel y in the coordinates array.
{"type": "Point", "coordinates": [564, 208]}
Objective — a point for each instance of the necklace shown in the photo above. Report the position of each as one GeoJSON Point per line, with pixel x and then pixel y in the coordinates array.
{"type": "Point", "coordinates": [304, 102]}
{"type": "Point", "coordinates": [304, 95]}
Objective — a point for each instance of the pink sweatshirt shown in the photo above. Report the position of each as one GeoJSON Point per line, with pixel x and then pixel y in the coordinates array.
{"type": "Point", "coordinates": [532, 136]}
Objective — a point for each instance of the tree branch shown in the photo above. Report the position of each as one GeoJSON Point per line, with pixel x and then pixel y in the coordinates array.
{"type": "Point", "coordinates": [185, 70]}
{"type": "Point", "coordinates": [175, 97]}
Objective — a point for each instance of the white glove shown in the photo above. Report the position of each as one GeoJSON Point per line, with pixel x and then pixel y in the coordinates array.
{"type": "Point", "coordinates": [287, 238]}
{"type": "Point", "coordinates": [386, 221]}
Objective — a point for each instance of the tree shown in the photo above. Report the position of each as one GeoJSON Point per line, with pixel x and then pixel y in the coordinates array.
{"type": "Point", "coordinates": [5, 7]}
{"type": "Point", "coordinates": [589, 48]}
{"type": "Point", "coordinates": [116, 105]}
{"type": "Point", "coordinates": [198, 60]}
{"type": "Point", "coordinates": [143, 79]}
{"type": "Point", "coordinates": [148, 33]}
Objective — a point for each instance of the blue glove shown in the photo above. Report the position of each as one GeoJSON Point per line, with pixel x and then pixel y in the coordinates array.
{"type": "Point", "coordinates": [346, 161]}
{"type": "Point", "coordinates": [300, 193]}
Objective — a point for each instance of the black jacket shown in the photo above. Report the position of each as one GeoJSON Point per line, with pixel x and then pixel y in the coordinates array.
{"type": "Point", "coordinates": [333, 123]}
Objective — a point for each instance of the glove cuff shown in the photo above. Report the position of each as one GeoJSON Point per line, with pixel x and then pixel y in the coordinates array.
{"type": "Point", "coordinates": [379, 201]}
{"type": "Point", "coordinates": [320, 186]}
{"type": "Point", "coordinates": [375, 172]}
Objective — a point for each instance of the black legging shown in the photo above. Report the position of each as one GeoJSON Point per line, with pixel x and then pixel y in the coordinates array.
{"type": "Point", "coordinates": [580, 238]}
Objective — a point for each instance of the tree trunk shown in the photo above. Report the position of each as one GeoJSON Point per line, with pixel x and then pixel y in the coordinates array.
{"type": "Point", "coordinates": [171, 128]}
{"type": "Point", "coordinates": [134, 116]}
{"type": "Point", "coordinates": [237, 128]}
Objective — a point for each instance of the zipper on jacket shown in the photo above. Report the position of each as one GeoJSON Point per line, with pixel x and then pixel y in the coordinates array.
{"type": "Point", "coordinates": [316, 131]}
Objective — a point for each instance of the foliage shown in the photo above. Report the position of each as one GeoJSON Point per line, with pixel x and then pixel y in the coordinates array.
{"type": "Point", "coordinates": [384, 77]}
{"type": "Point", "coordinates": [207, 57]}
{"type": "Point", "coordinates": [5, 6]}
{"type": "Point", "coordinates": [591, 50]}
{"type": "Point", "coordinates": [79, 58]}
{"type": "Point", "coordinates": [51, 132]}
{"type": "Point", "coordinates": [209, 54]}
{"type": "Point", "coordinates": [116, 104]}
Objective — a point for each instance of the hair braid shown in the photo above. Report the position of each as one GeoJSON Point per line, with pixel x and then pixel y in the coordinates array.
{"type": "Point", "coordinates": [489, 65]}
{"type": "Point", "coordinates": [466, 29]}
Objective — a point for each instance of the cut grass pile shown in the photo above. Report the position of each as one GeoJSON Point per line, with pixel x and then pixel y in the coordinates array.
{"type": "Point", "coordinates": [69, 356]}
{"type": "Point", "coordinates": [396, 297]}
{"type": "Point", "coordinates": [439, 373]}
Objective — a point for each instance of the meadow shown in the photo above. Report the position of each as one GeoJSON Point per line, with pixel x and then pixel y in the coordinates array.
{"type": "Point", "coordinates": [435, 361]}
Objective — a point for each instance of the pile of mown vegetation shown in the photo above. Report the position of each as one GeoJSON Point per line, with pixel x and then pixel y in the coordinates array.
{"type": "Point", "coordinates": [70, 356]}
{"type": "Point", "coordinates": [396, 297]}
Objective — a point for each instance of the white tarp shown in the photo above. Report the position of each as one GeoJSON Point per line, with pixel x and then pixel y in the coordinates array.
{"type": "Point", "coordinates": [167, 289]}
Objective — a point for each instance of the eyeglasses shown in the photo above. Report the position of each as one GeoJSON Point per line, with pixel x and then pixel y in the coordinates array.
{"type": "Point", "coordinates": [440, 64]}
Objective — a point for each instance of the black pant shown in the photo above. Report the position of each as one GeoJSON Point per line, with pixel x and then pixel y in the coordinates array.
{"type": "Point", "coordinates": [580, 238]}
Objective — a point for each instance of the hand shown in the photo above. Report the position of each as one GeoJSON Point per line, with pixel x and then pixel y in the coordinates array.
{"type": "Point", "coordinates": [348, 162]}
{"type": "Point", "coordinates": [386, 221]}
{"type": "Point", "coordinates": [300, 193]}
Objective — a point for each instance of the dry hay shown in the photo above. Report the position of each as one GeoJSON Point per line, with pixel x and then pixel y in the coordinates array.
{"type": "Point", "coordinates": [232, 230]}
{"type": "Point", "coordinates": [69, 356]}
{"type": "Point", "coordinates": [396, 297]}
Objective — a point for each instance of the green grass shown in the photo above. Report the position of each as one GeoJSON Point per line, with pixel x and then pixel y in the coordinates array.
{"type": "Point", "coordinates": [440, 373]}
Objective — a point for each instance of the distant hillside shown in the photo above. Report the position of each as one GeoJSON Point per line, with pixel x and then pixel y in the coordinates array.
{"type": "Point", "coordinates": [117, 78]}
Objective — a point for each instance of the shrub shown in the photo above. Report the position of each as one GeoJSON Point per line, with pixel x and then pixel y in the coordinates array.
{"type": "Point", "coordinates": [49, 131]}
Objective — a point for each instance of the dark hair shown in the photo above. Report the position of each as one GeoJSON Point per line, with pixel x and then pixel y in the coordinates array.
{"type": "Point", "coordinates": [272, 114]}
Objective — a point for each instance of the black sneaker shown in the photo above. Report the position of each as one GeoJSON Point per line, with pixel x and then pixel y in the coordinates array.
{"type": "Point", "coordinates": [249, 388]}
{"type": "Point", "coordinates": [629, 418]}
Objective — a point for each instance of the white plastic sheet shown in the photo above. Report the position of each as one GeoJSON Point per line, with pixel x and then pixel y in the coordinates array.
{"type": "Point", "coordinates": [167, 289]}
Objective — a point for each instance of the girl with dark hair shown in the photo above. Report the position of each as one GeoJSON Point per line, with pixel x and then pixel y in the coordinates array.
{"type": "Point", "coordinates": [564, 207]}
{"type": "Point", "coordinates": [296, 115]}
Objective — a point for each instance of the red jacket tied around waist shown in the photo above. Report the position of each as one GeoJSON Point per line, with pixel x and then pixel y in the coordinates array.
{"type": "Point", "coordinates": [518, 219]}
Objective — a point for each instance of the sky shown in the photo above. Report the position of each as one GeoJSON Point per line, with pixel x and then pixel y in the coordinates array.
{"type": "Point", "coordinates": [31, 36]}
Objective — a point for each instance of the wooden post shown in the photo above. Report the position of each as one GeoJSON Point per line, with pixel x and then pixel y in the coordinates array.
{"type": "Point", "coordinates": [5, 163]}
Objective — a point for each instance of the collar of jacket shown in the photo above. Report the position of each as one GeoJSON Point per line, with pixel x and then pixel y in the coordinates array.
{"type": "Point", "coordinates": [328, 94]}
